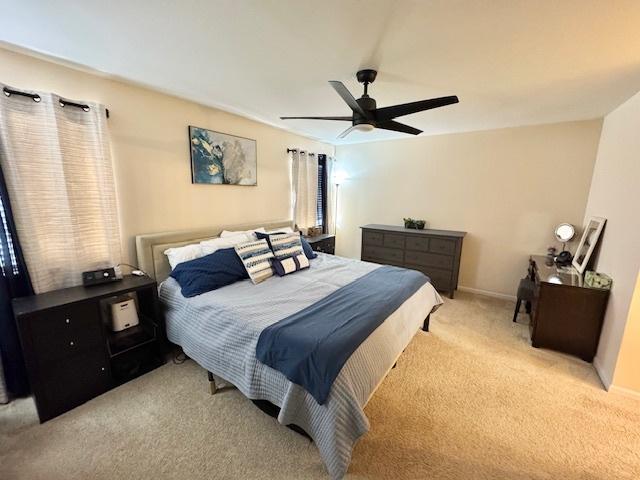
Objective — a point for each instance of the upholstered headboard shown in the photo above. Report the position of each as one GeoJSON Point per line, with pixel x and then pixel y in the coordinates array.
{"type": "Point", "coordinates": [150, 248]}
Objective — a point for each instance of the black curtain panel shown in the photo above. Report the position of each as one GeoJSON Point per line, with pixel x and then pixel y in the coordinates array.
{"type": "Point", "coordinates": [14, 282]}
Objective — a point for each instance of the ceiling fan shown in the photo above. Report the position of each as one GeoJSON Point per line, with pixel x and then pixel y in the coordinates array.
{"type": "Point", "coordinates": [365, 116]}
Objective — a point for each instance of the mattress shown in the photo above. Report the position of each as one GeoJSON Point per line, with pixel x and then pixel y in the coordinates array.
{"type": "Point", "coordinates": [220, 330]}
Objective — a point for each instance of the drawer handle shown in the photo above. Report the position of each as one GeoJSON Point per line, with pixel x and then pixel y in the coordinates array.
{"type": "Point", "coordinates": [66, 320]}
{"type": "Point", "coordinates": [71, 343]}
{"type": "Point", "coordinates": [102, 369]}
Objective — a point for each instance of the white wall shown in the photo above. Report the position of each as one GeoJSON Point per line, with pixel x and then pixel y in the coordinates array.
{"type": "Point", "coordinates": [507, 188]}
{"type": "Point", "coordinates": [615, 195]}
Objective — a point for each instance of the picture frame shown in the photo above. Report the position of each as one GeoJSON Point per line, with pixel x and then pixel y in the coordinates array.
{"type": "Point", "coordinates": [588, 242]}
{"type": "Point", "coordinates": [222, 159]}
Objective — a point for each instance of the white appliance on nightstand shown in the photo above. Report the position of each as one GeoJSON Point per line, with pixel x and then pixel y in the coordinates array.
{"type": "Point", "coordinates": [124, 314]}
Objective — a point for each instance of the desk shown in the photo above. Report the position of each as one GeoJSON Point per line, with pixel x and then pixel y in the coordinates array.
{"type": "Point", "coordinates": [566, 315]}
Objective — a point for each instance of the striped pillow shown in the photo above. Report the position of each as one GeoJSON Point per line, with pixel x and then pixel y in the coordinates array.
{"type": "Point", "coordinates": [256, 256]}
{"type": "Point", "coordinates": [285, 266]}
{"type": "Point", "coordinates": [286, 245]}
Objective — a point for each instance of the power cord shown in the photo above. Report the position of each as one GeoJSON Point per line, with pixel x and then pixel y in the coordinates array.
{"type": "Point", "coordinates": [135, 270]}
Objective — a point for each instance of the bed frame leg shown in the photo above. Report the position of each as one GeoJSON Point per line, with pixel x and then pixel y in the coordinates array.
{"type": "Point", "coordinates": [425, 325]}
{"type": "Point", "coordinates": [212, 383]}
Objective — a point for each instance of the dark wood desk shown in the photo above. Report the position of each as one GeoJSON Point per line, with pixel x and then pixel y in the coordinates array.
{"type": "Point", "coordinates": [567, 316]}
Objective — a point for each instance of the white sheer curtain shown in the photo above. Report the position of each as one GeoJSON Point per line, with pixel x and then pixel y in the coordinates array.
{"type": "Point", "coordinates": [331, 196]}
{"type": "Point", "coordinates": [57, 166]}
{"type": "Point", "coordinates": [304, 181]}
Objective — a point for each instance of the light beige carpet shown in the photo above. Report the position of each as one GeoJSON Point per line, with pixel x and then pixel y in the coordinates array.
{"type": "Point", "coordinates": [471, 400]}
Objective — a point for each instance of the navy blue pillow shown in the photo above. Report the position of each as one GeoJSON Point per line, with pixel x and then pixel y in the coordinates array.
{"type": "Point", "coordinates": [204, 274]}
{"type": "Point", "coordinates": [308, 251]}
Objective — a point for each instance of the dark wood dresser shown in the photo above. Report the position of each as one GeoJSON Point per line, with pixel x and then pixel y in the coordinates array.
{"type": "Point", "coordinates": [436, 253]}
{"type": "Point", "coordinates": [566, 315]}
{"type": "Point", "coordinates": [70, 351]}
{"type": "Point", "coordinates": [325, 243]}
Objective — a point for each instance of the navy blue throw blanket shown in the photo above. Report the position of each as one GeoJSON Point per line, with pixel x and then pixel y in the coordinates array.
{"type": "Point", "coordinates": [311, 346]}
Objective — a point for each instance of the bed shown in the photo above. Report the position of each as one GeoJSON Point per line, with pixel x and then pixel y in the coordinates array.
{"type": "Point", "coordinates": [220, 330]}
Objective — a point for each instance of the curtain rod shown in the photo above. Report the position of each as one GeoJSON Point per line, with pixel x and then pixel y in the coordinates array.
{"type": "Point", "coordinates": [36, 98]}
{"type": "Point", "coordinates": [289, 150]}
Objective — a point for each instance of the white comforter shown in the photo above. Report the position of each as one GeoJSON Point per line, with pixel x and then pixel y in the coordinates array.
{"type": "Point", "coordinates": [220, 330]}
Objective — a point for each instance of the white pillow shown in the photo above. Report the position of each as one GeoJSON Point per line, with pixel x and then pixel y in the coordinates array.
{"type": "Point", "coordinates": [249, 233]}
{"type": "Point", "coordinates": [281, 230]}
{"type": "Point", "coordinates": [178, 255]}
{"type": "Point", "coordinates": [210, 246]}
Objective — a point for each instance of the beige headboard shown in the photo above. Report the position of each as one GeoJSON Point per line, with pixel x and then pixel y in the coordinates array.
{"type": "Point", "coordinates": [150, 248]}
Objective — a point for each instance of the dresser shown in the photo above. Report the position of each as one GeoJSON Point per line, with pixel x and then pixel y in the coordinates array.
{"type": "Point", "coordinates": [566, 315]}
{"type": "Point", "coordinates": [71, 353]}
{"type": "Point", "coordinates": [436, 253]}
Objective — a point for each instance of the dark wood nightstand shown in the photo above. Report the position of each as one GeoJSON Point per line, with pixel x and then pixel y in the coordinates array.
{"type": "Point", "coordinates": [325, 243]}
{"type": "Point", "coordinates": [70, 351]}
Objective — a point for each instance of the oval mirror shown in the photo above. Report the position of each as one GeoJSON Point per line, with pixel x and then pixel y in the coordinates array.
{"type": "Point", "coordinates": [565, 232]}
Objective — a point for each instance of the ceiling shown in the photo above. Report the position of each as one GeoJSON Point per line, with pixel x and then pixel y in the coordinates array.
{"type": "Point", "coordinates": [511, 62]}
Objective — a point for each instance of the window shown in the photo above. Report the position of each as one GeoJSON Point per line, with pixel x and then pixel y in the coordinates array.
{"type": "Point", "coordinates": [321, 203]}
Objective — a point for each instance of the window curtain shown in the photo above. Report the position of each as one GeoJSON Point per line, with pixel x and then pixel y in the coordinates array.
{"type": "Point", "coordinates": [14, 282]}
{"type": "Point", "coordinates": [304, 168]}
{"type": "Point", "coordinates": [59, 176]}
{"type": "Point", "coordinates": [331, 196]}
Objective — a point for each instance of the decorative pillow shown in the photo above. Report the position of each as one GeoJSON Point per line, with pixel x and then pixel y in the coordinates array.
{"type": "Point", "coordinates": [285, 266]}
{"type": "Point", "coordinates": [177, 255]}
{"type": "Point", "coordinates": [249, 233]}
{"type": "Point", "coordinates": [308, 251]}
{"type": "Point", "coordinates": [285, 245]}
{"type": "Point", "coordinates": [210, 246]}
{"type": "Point", "coordinates": [256, 258]}
{"type": "Point", "coordinates": [209, 273]}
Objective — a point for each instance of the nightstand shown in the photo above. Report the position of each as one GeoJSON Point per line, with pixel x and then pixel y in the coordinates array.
{"type": "Point", "coordinates": [71, 353]}
{"type": "Point", "coordinates": [324, 243]}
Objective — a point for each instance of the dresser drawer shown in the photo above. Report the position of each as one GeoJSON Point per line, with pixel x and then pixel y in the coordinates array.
{"type": "Point", "coordinates": [442, 245]}
{"type": "Point", "coordinates": [429, 259]}
{"type": "Point", "coordinates": [382, 254]}
{"type": "Point", "coordinates": [66, 332]}
{"type": "Point", "coordinates": [393, 241]}
{"type": "Point", "coordinates": [70, 382]}
{"type": "Point", "coordinates": [417, 243]}
{"type": "Point", "coordinates": [372, 238]}
{"type": "Point", "coordinates": [440, 279]}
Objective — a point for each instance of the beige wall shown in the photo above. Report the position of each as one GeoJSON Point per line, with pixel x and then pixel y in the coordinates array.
{"type": "Point", "coordinates": [627, 374]}
{"type": "Point", "coordinates": [507, 188]}
{"type": "Point", "coordinates": [151, 152]}
{"type": "Point", "coordinates": [615, 195]}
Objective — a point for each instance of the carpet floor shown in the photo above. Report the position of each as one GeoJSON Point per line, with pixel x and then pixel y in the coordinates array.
{"type": "Point", "coordinates": [471, 400]}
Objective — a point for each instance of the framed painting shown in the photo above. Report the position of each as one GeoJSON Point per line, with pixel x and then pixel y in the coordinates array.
{"type": "Point", "coordinates": [219, 158]}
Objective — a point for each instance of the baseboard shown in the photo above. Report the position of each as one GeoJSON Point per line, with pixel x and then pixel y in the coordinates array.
{"type": "Point", "coordinates": [604, 378]}
{"type": "Point", "coordinates": [488, 293]}
{"type": "Point", "coordinates": [627, 392]}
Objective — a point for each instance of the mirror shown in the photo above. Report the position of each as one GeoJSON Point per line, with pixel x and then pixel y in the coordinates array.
{"type": "Point", "coordinates": [565, 232]}
{"type": "Point", "coordinates": [588, 243]}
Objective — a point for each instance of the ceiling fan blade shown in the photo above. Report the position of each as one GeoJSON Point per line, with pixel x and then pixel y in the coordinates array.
{"type": "Point", "coordinates": [387, 113]}
{"type": "Point", "coordinates": [317, 118]}
{"type": "Point", "coordinates": [348, 98]}
{"type": "Point", "coordinates": [398, 127]}
{"type": "Point", "coordinates": [347, 131]}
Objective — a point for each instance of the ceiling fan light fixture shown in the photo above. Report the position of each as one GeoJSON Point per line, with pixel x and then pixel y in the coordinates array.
{"type": "Point", "coordinates": [364, 127]}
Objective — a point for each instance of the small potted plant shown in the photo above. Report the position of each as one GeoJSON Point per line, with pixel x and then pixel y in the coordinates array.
{"type": "Point", "coordinates": [409, 223]}
{"type": "Point", "coordinates": [414, 224]}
